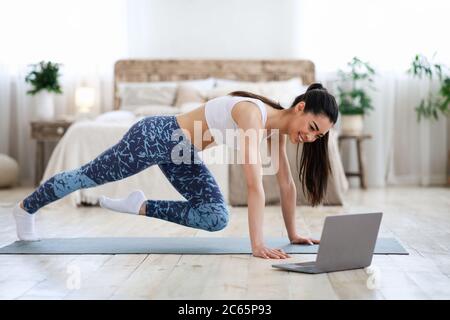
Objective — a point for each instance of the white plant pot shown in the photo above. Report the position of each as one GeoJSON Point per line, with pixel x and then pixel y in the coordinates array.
{"type": "Point", "coordinates": [352, 124]}
{"type": "Point", "coordinates": [45, 106]}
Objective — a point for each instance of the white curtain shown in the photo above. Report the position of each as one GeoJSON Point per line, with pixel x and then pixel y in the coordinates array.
{"type": "Point", "coordinates": [419, 152]}
{"type": "Point", "coordinates": [85, 36]}
{"type": "Point", "coordinates": [387, 34]}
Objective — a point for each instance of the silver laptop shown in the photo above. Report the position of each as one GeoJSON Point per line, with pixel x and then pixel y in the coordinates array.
{"type": "Point", "coordinates": [347, 242]}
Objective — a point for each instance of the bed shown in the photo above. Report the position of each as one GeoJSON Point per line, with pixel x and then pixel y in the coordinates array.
{"type": "Point", "coordinates": [162, 85]}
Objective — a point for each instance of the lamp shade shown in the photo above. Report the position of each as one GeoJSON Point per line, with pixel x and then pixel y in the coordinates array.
{"type": "Point", "coordinates": [84, 98]}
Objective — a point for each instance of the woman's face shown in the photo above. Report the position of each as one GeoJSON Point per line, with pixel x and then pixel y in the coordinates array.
{"type": "Point", "coordinates": [305, 126]}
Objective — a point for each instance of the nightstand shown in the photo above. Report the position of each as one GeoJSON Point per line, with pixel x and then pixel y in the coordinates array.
{"type": "Point", "coordinates": [42, 132]}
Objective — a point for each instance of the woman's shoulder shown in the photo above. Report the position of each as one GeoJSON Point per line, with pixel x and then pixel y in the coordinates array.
{"type": "Point", "coordinates": [248, 112]}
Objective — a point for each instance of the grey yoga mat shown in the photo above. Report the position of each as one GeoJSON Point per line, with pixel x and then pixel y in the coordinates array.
{"type": "Point", "coordinates": [171, 245]}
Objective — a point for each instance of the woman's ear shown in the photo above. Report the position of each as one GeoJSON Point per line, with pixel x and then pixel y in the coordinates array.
{"type": "Point", "coordinates": [300, 106]}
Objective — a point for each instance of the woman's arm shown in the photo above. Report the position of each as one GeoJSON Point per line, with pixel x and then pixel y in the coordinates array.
{"type": "Point", "coordinates": [288, 192]}
{"type": "Point", "coordinates": [248, 118]}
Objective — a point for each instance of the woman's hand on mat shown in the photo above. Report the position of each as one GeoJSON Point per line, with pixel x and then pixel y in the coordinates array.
{"type": "Point", "coordinates": [304, 240]}
{"type": "Point", "coordinates": [267, 253]}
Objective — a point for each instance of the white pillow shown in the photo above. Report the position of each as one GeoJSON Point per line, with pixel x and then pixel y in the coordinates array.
{"type": "Point", "coordinates": [152, 84]}
{"type": "Point", "coordinates": [116, 116]}
{"type": "Point", "coordinates": [221, 82]}
{"type": "Point", "coordinates": [155, 110]}
{"type": "Point", "coordinates": [228, 82]}
{"type": "Point", "coordinates": [133, 95]}
{"type": "Point", "coordinates": [225, 88]}
{"type": "Point", "coordinates": [283, 92]}
{"type": "Point", "coordinates": [159, 92]}
{"type": "Point", "coordinates": [201, 85]}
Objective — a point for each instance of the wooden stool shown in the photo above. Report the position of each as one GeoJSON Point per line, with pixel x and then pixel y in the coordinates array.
{"type": "Point", "coordinates": [361, 173]}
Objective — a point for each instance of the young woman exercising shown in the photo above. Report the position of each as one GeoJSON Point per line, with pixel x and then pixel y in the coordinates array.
{"type": "Point", "coordinates": [158, 140]}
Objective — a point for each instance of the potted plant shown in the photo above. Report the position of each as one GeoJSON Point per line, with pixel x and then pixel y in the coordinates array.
{"type": "Point", "coordinates": [44, 81]}
{"type": "Point", "coordinates": [438, 102]}
{"type": "Point", "coordinates": [354, 101]}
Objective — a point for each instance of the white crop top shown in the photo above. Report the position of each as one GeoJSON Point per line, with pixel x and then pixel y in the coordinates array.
{"type": "Point", "coordinates": [219, 119]}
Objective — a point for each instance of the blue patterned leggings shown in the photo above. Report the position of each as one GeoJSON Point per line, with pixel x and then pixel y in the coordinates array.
{"type": "Point", "coordinates": [150, 141]}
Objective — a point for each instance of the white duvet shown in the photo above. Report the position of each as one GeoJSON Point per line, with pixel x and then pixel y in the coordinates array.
{"type": "Point", "coordinates": [86, 139]}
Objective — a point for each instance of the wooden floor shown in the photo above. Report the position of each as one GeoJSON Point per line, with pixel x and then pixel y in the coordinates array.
{"type": "Point", "coordinates": [419, 218]}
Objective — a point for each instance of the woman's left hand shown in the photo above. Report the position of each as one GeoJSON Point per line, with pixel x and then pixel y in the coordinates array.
{"type": "Point", "coordinates": [304, 240]}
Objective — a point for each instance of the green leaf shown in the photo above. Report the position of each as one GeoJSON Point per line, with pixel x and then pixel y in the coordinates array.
{"type": "Point", "coordinates": [44, 76]}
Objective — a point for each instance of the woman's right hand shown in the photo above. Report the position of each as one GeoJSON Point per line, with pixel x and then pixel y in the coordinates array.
{"type": "Point", "coordinates": [268, 253]}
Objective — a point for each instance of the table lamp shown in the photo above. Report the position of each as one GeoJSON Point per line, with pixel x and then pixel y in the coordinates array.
{"type": "Point", "coordinates": [84, 100]}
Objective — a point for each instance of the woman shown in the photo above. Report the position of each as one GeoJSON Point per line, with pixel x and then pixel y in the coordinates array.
{"type": "Point", "coordinates": [172, 143]}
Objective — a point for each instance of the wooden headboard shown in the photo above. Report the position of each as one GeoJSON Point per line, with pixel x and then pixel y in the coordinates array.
{"type": "Point", "coordinates": [148, 70]}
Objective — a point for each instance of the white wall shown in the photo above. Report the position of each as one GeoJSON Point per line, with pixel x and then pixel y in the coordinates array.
{"type": "Point", "coordinates": [212, 29]}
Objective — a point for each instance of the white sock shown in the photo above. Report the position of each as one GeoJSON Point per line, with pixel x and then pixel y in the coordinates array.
{"type": "Point", "coordinates": [24, 224]}
{"type": "Point", "coordinates": [131, 204]}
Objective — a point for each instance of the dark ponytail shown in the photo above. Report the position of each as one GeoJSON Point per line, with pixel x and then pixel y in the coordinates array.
{"type": "Point", "coordinates": [314, 165]}
{"type": "Point", "coordinates": [314, 169]}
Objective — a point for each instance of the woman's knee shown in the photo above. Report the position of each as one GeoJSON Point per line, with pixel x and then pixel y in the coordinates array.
{"type": "Point", "coordinates": [222, 218]}
{"type": "Point", "coordinates": [213, 216]}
